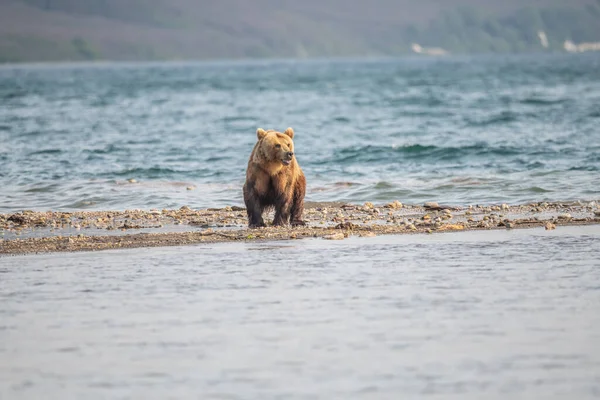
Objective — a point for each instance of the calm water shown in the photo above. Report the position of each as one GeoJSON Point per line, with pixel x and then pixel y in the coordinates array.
{"type": "Point", "coordinates": [459, 130]}
{"type": "Point", "coordinates": [506, 315]}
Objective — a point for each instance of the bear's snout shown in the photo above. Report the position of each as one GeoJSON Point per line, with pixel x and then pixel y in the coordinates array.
{"type": "Point", "coordinates": [290, 154]}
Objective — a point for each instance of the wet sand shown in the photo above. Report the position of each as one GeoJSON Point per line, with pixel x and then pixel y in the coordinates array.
{"type": "Point", "coordinates": [40, 232]}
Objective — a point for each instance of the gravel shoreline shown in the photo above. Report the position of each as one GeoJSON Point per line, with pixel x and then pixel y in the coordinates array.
{"type": "Point", "coordinates": [30, 232]}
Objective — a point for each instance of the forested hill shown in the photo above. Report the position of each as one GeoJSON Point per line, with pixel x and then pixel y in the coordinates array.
{"type": "Point", "coordinates": [49, 30]}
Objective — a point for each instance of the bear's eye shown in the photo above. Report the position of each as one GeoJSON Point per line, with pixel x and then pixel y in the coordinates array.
{"type": "Point", "coordinates": [277, 146]}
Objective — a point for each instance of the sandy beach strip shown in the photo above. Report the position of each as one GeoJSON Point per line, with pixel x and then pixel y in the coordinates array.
{"type": "Point", "coordinates": [30, 232]}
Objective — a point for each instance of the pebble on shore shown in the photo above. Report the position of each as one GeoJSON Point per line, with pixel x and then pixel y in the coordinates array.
{"type": "Point", "coordinates": [334, 236]}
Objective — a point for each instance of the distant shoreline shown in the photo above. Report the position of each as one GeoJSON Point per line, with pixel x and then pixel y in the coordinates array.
{"type": "Point", "coordinates": [162, 30]}
{"type": "Point", "coordinates": [31, 232]}
{"type": "Point", "coordinates": [284, 60]}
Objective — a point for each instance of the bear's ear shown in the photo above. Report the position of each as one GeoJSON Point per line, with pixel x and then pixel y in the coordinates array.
{"type": "Point", "coordinates": [261, 133]}
{"type": "Point", "coordinates": [289, 132]}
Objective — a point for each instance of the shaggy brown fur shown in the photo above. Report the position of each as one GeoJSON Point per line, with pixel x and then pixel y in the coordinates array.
{"type": "Point", "coordinates": [274, 179]}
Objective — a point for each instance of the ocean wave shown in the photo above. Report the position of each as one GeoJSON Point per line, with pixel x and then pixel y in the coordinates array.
{"type": "Point", "coordinates": [159, 172]}
{"type": "Point", "coordinates": [587, 168]}
{"type": "Point", "coordinates": [46, 151]}
{"type": "Point", "coordinates": [536, 101]}
{"type": "Point", "coordinates": [495, 119]}
{"type": "Point", "coordinates": [357, 154]}
{"type": "Point", "coordinates": [594, 114]}
{"type": "Point", "coordinates": [423, 101]}
{"type": "Point", "coordinates": [537, 189]}
{"type": "Point", "coordinates": [108, 149]}
{"type": "Point", "coordinates": [43, 188]}
{"type": "Point", "coordinates": [14, 95]}
{"type": "Point", "coordinates": [148, 173]}
{"type": "Point", "coordinates": [342, 120]}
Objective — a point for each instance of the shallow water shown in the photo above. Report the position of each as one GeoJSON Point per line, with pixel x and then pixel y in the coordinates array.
{"type": "Point", "coordinates": [505, 314]}
{"type": "Point", "coordinates": [461, 130]}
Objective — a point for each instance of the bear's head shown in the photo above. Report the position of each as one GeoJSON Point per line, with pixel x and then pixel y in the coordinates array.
{"type": "Point", "coordinates": [276, 146]}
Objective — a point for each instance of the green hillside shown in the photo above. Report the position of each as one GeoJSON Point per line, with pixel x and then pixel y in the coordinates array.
{"type": "Point", "coordinates": [54, 30]}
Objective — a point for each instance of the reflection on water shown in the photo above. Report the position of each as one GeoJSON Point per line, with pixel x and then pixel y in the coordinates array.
{"type": "Point", "coordinates": [507, 314]}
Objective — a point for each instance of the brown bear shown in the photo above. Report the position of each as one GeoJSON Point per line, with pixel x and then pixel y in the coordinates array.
{"type": "Point", "coordinates": [274, 179]}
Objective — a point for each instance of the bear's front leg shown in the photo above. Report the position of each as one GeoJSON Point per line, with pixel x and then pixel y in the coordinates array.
{"type": "Point", "coordinates": [297, 208]}
{"type": "Point", "coordinates": [255, 220]}
{"type": "Point", "coordinates": [282, 212]}
{"type": "Point", "coordinates": [254, 208]}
